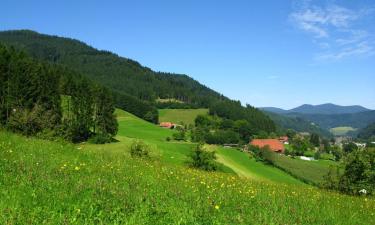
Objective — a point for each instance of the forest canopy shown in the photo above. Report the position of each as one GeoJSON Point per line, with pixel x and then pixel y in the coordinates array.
{"type": "Point", "coordinates": [135, 88]}
{"type": "Point", "coordinates": [38, 98]}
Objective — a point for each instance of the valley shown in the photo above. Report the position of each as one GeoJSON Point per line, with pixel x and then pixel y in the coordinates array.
{"type": "Point", "coordinates": [91, 137]}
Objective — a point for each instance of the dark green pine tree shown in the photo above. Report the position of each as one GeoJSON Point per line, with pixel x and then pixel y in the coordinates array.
{"type": "Point", "coordinates": [104, 119]}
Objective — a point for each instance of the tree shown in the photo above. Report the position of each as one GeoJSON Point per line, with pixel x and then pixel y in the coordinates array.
{"type": "Point", "coordinates": [30, 101]}
{"type": "Point", "coordinates": [203, 159]}
{"type": "Point", "coordinates": [359, 172]}
{"type": "Point", "coordinates": [350, 147]}
{"type": "Point", "coordinates": [300, 146]}
{"type": "Point", "coordinates": [180, 135]}
{"type": "Point", "coordinates": [315, 140]}
{"type": "Point", "coordinates": [291, 133]}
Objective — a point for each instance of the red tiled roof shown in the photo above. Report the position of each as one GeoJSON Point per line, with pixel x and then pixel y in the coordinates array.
{"type": "Point", "coordinates": [166, 124]}
{"type": "Point", "coordinates": [274, 144]}
{"type": "Point", "coordinates": [284, 138]}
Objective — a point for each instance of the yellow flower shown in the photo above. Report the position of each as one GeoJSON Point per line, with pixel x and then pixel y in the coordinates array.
{"type": "Point", "coordinates": [217, 207]}
{"type": "Point", "coordinates": [76, 168]}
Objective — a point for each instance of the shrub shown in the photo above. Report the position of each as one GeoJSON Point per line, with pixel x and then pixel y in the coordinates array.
{"type": "Point", "coordinates": [139, 149]}
{"type": "Point", "coordinates": [262, 154]}
{"type": "Point", "coordinates": [203, 159]}
{"type": "Point", "coordinates": [327, 156]}
{"type": "Point", "coordinates": [179, 136]}
{"type": "Point", "coordinates": [309, 153]}
{"type": "Point", "coordinates": [100, 139]}
{"type": "Point", "coordinates": [358, 173]}
{"type": "Point", "coordinates": [31, 121]}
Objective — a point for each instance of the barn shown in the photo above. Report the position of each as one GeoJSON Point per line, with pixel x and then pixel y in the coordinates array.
{"type": "Point", "coordinates": [274, 144]}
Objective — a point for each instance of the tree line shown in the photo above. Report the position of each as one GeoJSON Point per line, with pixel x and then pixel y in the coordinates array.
{"type": "Point", "coordinates": [136, 88]}
{"type": "Point", "coordinates": [37, 98]}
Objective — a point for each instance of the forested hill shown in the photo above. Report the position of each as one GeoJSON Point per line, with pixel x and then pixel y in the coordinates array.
{"type": "Point", "coordinates": [134, 86]}
{"type": "Point", "coordinates": [298, 124]}
{"type": "Point", "coordinates": [120, 74]}
{"type": "Point", "coordinates": [324, 109]}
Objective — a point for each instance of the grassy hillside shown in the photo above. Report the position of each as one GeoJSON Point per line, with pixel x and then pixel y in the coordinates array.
{"type": "Point", "coordinates": [339, 131]}
{"type": "Point", "coordinates": [46, 182]}
{"type": "Point", "coordinates": [187, 116]}
{"type": "Point", "coordinates": [312, 172]}
{"type": "Point", "coordinates": [244, 166]}
{"type": "Point", "coordinates": [177, 153]}
{"type": "Point", "coordinates": [132, 127]}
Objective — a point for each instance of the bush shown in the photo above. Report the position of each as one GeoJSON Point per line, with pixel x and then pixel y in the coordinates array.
{"type": "Point", "coordinates": [31, 121]}
{"type": "Point", "coordinates": [180, 135]}
{"type": "Point", "coordinates": [262, 154]}
{"type": "Point", "coordinates": [309, 153]}
{"type": "Point", "coordinates": [358, 173]}
{"type": "Point", "coordinates": [139, 149]}
{"type": "Point", "coordinates": [203, 159]}
{"type": "Point", "coordinates": [100, 139]}
{"type": "Point", "coordinates": [327, 156]}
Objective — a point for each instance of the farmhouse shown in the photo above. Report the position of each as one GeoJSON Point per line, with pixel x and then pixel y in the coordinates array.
{"type": "Point", "coordinates": [274, 144]}
{"type": "Point", "coordinates": [284, 140]}
{"type": "Point", "coordinates": [168, 125]}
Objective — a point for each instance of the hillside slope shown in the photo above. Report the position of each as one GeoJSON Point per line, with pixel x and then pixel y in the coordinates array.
{"type": "Point", "coordinates": [135, 87]}
{"type": "Point", "coordinates": [186, 116]}
{"type": "Point", "coordinates": [177, 153]}
{"type": "Point", "coordinates": [355, 120]}
{"type": "Point", "coordinates": [327, 109]}
{"type": "Point", "coordinates": [120, 74]}
{"type": "Point", "coordinates": [297, 123]}
{"type": "Point", "coordinates": [45, 182]}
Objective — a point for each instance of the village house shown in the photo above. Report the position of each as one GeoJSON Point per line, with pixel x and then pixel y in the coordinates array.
{"type": "Point", "coordinates": [284, 140]}
{"type": "Point", "coordinates": [167, 125]}
{"type": "Point", "coordinates": [274, 144]}
{"type": "Point", "coordinates": [360, 145]}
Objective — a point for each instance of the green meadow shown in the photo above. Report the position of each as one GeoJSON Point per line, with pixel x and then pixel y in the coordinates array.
{"type": "Point", "coordinates": [45, 182]}
{"type": "Point", "coordinates": [187, 116]}
{"type": "Point", "coordinates": [311, 172]}
{"type": "Point", "coordinates": [339, 131]}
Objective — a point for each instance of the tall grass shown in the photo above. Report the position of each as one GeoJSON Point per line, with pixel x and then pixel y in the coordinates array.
{"type": "Point", "coordinates": [44, 182]}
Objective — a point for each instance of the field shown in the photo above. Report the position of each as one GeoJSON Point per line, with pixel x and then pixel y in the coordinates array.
{"type": "Point", "coordinates": [339, 131]}
{"type": "Point", "coordinates": [187, 116]}
{"type": "Point", "coordinates": [312, 172]}
{"type": "Point", "coordinates": [46, 182]}
{"type": "Point", "coordinates": [131, 127]}
{"type": "Point", "coordinates": [244, 166]}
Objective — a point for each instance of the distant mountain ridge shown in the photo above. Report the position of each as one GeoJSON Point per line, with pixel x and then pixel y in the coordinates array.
{"type": "Point", "coordinates": [326, 109]}
{"type": "Point", "coordinates": [327, 116]}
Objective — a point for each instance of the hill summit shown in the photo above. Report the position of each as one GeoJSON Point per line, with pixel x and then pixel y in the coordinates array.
{"type": "Point", "coordinates": [326, 109]}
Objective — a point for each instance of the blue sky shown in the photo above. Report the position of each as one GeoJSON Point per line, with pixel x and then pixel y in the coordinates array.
{"type": "Point", "coordinates": [265, 53]}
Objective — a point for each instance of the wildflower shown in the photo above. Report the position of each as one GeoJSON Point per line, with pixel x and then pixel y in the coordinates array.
{"type": "Point", "coordinates": [217, 207]}
{"type": "Point", "coordinates": [76, 168]}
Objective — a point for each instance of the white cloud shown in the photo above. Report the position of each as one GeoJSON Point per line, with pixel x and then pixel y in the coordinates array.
{"type": "Point", "coordinates": [333, 29]}
{"type": "Point", "coordinates": [360, 49]}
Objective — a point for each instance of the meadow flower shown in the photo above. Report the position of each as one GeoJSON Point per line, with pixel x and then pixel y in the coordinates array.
{"type": "Point", "coordinates": [76, 168]}
{"type": "Point", "coordinates": [217, 207]}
